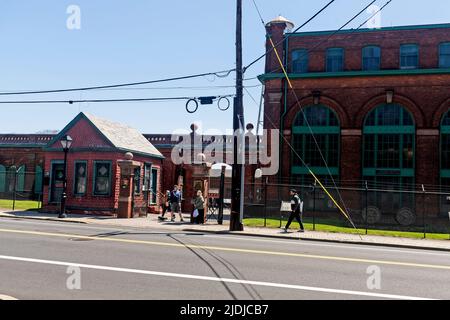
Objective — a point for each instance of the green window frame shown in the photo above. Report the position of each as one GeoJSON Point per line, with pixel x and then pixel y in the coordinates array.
{"type": "Point", "coordinates": [325, 129]}
{"type": "Point", "coordinates": [154, 186]}
{"type": "Point", "coordinates": [335, 60]}
{"type": "Point", "coordinates": [80, 178]}
{"type": "Point", "coordinates": [389, 142]}
{"type": "Point", "coordinates": [2, 178]}
{"type": "Point", "coordinates": [38, 180]}
{"type": "Point", "coordinates": [102, 180]}
{"type": "Point", "coordinates": [371, 58]}
{"type": "Point", "coordinates": [20, 182]}
{"type": "Point", "coordinates": [409, 56]}
{"type": "Point", "coordinates": [445, 146]}
{"type": "Point", "coordinates": [444, 55]}
{"type": "Point", "coordinates": [300, 61]}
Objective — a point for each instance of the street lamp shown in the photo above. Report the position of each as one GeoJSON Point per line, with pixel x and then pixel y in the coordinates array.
{"type": "Point", "coordinates": [66, 143]}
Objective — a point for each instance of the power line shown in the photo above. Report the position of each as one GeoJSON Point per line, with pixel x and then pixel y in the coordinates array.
{"type": "Point", "coordinates": [220, 74]}
{"type": "Point", "coordinates": [304, 24]}
{"type": "Point", "coordinates": [330, 36]}
{"type": "Point", "coordinates": [107, 100]}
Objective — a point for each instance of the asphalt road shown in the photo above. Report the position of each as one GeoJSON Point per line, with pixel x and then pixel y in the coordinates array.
{"type": "Point", "coordinates": [42, 260]}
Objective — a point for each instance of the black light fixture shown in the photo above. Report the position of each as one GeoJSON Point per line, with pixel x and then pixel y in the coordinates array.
{"type": "Point", "coordinates": [316, 97]}
{"type": "Point", "coordinates": [389, 96]}
{"type": "Point", "coordinates": [66, 143]}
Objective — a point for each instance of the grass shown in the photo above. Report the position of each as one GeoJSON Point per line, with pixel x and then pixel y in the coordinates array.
{"type": "Point", "coordinates": [331, 226]}
{"type": "Point", "coordinates": [25, 205]}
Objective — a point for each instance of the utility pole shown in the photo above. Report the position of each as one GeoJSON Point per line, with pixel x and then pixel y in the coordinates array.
{"type": "Point", "coordinates": [238, 124]}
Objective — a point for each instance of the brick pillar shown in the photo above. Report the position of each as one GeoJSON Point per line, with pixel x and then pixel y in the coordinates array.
{"type": "Point", "coordinates": [351, 154]}
{"type": "Point", "coordinates": [427, 156]}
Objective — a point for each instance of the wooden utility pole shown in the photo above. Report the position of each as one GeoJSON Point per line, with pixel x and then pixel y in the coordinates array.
{"type": "Point", "coordinates": [238, 123]}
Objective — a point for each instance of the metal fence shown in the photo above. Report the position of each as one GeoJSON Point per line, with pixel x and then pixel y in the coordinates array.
{"type": "Point", "coordinates": [21, 190]}
{"type": "Point", "coordinates": [371, 207]}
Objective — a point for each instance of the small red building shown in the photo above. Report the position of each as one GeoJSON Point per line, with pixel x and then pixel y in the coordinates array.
{"type": "Point", "coordinates": [93, 174]}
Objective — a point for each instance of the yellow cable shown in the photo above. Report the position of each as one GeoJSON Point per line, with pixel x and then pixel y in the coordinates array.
{"type": "Point", "coordinates": [290, 86]}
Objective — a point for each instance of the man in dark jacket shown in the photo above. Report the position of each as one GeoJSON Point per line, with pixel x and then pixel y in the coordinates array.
{"type": "Point", "coordinates": [296, 211]}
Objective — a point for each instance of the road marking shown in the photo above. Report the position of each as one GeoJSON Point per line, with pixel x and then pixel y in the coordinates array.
{"type": "Point", "coordinates": [247, 238]}
{"type": "Point", "coordinates": [5, 297]}
{"type": "Point", "coordinates": [216, 279]}
{"type": "Point", "coordinates": [275, 253]}
{"type": "Point", "coordinates": [343, 246]}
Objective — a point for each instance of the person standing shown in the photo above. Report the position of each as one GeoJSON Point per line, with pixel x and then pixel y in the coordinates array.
{"type": "Point", "coordinates": [199, 205]}
{"type": "Point", "coordinates": [296, 211]}
{"type": "Point", "coordinates": [175, 201]}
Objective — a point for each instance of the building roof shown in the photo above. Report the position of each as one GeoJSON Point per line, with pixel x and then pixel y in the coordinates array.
{"type": "Point", "coordinates": [120, 136]}
{"type": "Point", "coordinates": [124, 137]}
{"type": "Point", "coordinates": [363, 30]}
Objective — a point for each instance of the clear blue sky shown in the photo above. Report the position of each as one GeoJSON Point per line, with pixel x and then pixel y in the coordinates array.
{"type": "Point", "coordinates": [139, 40]}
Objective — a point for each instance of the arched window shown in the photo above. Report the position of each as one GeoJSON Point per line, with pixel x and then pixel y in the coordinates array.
{"type": "Point", "coordinates": [2, 178]}
{"type": "Point", "coordinates": [335, 60]}
{"type": "Point", "coordinates": [445, 161]}
{"type": "Point", "coordinates": [444, 55]}
{"type": "Point", "coordinates": [371, 57]}
{"type": "Point", "coordinates": [324, 128]}
{"type": "Point", "coordinates": [15, 175]}
{"type": "Point", "coordinates": [388, 145]}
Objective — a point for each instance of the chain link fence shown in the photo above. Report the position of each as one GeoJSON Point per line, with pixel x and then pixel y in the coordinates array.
{"type": "Point", "coordinates": [20, 190]}
{"type": "Point", "coordinates": [370, 207]}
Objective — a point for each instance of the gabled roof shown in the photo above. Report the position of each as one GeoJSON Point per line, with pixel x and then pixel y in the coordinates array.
{"type": "Point", "coordinates": [120, 136]}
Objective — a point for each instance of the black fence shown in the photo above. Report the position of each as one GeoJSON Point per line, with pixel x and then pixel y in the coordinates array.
{"type": "Point", "coordinates": [21, 190]}
{"type": "Point", "coordinates": [369, 206]}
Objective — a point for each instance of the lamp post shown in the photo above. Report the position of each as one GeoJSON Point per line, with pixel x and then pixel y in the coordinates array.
{"type": "Point", "coordinates": [66, 143]}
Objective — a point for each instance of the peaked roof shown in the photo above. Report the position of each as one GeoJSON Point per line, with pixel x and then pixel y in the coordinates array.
{"type": "Point", "coordinates": [120, 136]}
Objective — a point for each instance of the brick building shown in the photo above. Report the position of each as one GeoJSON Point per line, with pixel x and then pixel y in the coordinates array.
{"type": "Point", "coordinates": [377, 101]}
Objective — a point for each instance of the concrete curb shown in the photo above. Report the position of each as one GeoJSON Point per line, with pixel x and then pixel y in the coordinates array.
{"type": "Point", "coordinates": [375, 244]}
{"type": "Point", "coordinates": [44, 219]}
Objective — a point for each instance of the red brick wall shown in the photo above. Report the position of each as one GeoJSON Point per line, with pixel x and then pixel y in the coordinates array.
{"type": "Point", "coordinates": [105, 204]}
{"type": "Point", "coordinates": [426, 97]}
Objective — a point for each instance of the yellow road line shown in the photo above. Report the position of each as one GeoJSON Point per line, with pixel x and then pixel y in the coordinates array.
{"type": "Point", "coordinates": [263, 252]}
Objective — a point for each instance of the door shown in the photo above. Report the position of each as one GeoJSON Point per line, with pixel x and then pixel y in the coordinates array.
{"type": "Point", "coordinates": [57, 182]}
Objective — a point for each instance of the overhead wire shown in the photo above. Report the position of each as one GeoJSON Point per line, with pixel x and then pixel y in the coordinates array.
{"type": "Point", "coordinates": [220, 74]}
{"type": "Point", "coordinates": [344, 212]}
{"type": "Point", "coordinates": [300, 27]}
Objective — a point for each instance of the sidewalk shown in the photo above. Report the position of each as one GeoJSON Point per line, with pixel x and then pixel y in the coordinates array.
{"type": "Point", "coordinates": [213, 227]}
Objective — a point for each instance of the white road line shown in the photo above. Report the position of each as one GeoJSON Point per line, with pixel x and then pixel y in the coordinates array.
{"type": "Point", "coordinates": [5, 297]}
{"type": "Point", "coordinates": [343, 246]}
{"type": "Point", "coordinates": [216, 279]}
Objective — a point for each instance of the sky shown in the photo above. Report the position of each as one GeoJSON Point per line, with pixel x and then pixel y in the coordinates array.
{"type": "Point", "coordinates": [141, 40]}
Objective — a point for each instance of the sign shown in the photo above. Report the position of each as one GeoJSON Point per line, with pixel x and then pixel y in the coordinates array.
{"type": "Point", "coordinates": [285, 206]}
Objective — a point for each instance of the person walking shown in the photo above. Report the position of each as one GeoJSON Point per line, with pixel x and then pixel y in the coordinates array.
{"type": "Point", "coordinates": [175, 203]}
{"type": "Point", "coordinates": [296, 211]}
{"type": "Point", "coordinates": [166, 205]}
{"type": "Point", "coordinates": [199, 205]}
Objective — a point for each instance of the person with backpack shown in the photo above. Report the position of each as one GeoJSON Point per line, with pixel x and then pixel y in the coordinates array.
{"type": "Point", "coordinates": [296, 211]}
{"type": "Point", "coordinates": [175, 203]}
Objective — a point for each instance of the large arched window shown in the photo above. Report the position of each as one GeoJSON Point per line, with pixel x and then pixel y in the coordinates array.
{"type": "Point", "coordinates": [445, 161]}
{"type": "Point", "coordinates": [324, 128]}
{"type": "Point", "coordinates": [388, 146]}
{"type": "Point", "coordinates": [2, 178]}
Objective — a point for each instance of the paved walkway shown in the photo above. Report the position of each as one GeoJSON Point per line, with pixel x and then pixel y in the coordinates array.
{"type": "Point", "coordinates": [213, 227]}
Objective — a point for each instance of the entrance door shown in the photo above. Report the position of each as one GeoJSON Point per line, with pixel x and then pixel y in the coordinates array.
{"type": "Point", "coordinates": [57, 182]}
